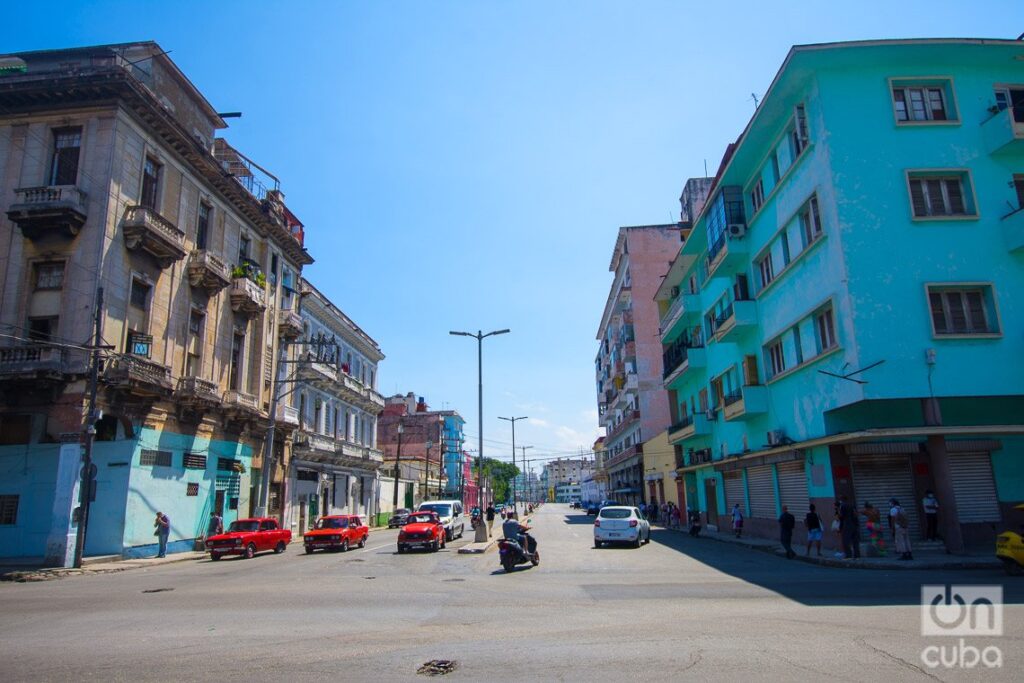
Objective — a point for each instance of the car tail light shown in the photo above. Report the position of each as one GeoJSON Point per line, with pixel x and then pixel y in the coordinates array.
{"type": "Point", "coordinates": [633, 522]}
{"type": "Point", "coordinates": [597, 522]}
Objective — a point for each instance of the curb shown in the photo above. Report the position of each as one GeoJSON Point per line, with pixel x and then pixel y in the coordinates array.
{"type": "Point", "coordinates": [476, 549]}
{"type": "Point", "coordinates": [110, 567]}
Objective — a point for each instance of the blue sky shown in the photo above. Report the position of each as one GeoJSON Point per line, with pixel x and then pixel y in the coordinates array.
{"type": "Point", "coordinates": [466, 165]}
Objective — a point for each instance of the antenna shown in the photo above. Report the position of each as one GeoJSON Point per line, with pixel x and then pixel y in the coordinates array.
{"type": "Point", "coordinates": [705, 168]}
{"type": "Point", "coordinates": [754, 97]}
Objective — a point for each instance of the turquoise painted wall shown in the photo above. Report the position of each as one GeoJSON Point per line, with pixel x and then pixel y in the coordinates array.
{"type": "Point", "coordinates": [1008, 470]}
{"type": "Point", "coordinates": [30, 472]}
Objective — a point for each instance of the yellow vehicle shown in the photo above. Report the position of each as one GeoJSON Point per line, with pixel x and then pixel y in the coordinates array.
{"type": "Point", "coordinates": [1010, 548]}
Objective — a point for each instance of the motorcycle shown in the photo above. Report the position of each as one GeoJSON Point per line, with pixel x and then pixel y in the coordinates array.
{"type": "Point", "coordinates": [1010, 549]}
{"type": "Point", "coordinates": [510, 554]}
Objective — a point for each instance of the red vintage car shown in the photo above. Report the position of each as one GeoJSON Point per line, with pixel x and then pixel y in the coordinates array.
{"type": "Point", "coordinates": [422, 530]}
{"type": "Point", "coordinates": [336, 532]}
{"type": "Point", "coordinates": [246, 537]}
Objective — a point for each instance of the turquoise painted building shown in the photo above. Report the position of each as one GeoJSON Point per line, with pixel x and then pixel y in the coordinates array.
{"type": "Point", "coordinates": [453, 441]}
{"type": "Point", "coordinates": [844, 317]}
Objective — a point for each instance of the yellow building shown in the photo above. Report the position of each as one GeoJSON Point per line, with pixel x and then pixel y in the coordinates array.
{"type": "Point", "coordinates": [660, 471]}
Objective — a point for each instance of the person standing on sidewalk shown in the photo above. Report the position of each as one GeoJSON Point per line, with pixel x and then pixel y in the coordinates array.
{"type": "Point", "coordinates": [849, 526]}
{"type": "Point", "coordinates": [814, 529]}
{"type": "Point", "coordinates": [901, 530]}
{"type": "Point", "coordinates": [931, 514]}
{"type": "Point", "coordinates": [786, 524]}
{"type": "Point", "coordinates": [162, 529]}
{"type": "Point", "coordinates": [489, 516]}
{"type": "Point", "coordinates": [674, 514]}
{"type": "Point", "coordinates": [216, 525]}
{"type": "Point", "coordinates": [873, 523]}
{"type": "Point", "coordinates": [737, 520]}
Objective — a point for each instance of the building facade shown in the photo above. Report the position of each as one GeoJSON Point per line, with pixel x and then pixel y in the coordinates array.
{"type": "Point", "coordinates": [843, 319]}
{"type": "Point", "coordinates": [335, 461]}
{"type": "Point", "coordinates": [112, 180]}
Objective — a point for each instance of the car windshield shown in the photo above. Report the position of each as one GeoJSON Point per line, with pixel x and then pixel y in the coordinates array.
{"type": "Point", "coordinates": [421, 519]}
{"type": "Point", "coordinates": [615, 513]}
{"type": "Point", "coordinates": [244, 526]}
{"type": "Point", "coordinates": [332, 523]}
{"type": "Point", "coordinates": [442, 509]}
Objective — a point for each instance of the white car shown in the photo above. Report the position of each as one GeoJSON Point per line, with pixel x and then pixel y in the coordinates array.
{"type": "Point", "coordinates": [450, 512]}
{"type": "Point", "coordinates": [621, 524]}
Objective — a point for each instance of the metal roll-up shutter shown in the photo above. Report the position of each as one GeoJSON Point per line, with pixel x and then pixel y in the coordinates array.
{"type": "Point", "coordinates": [793, 487]}
{"type": "Point", "coordinates": [761, 484]}
{"type": "Point", "coordinates": [878, 478]}
{"type": "Point", "coordinates": [974, 487]}
{"type": "Point", "coordinates": [734, 491]}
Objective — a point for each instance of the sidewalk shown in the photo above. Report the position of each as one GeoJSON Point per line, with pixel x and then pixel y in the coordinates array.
{"type": "Point", "coordinates": [922, 560]}
{"type": "Point", "coordinates": [106, 564]}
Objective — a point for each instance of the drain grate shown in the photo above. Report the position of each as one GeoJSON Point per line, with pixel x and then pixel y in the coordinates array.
{"type": "Point", "coordinates": [438, 667]}
{"type": "Point", "coordinates": [158, 590]}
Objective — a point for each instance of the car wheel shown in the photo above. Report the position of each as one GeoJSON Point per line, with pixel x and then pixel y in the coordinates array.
{"type": "Point", "coordinates": [215, 556]}
{"type": "Point", "coordinates": [344, 546]}
{"type": "Point", "coordinates": [401, 549]}
{"type": "Point", "coordinates": [435, 546]}
{"type": "Point", "coordinates": [462, 530]}
{"type": "Point", "coordinates": [279, 548]}
{"type": "Point", "coordinates": [250, 551]}
{"type": "Point", "coordinates": [362, 542]}
{"type": "Point", "coordinates": [597, 544]}
{"type": "Point", "coordinates": [449, 534]}
{"type": "Point", "coordinates": [309, 551]}
{"type": "Point", "coordinates": [639, 540]}
{"type": "Point", "coordinates": [444, 541]}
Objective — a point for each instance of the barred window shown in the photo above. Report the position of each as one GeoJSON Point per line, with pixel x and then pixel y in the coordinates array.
{"type": "Point", "coordinates": [155, 458]}
{"type": "Point", "coordinates": [194, 461]}
{"type": "Point", "coordinates": [192, 489]}
{"type": "Point", "coordinates": [8, 510]}
{"type": "Point", "coordinates": [227, 464]}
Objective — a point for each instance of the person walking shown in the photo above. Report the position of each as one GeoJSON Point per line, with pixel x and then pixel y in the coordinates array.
{"type": "Point", "coordinates": [216, 525]}
{"type": "Point", "coordinates": [786, 524]}
{"type": "Point", "coordinates": [674, 514]}
{"type": "Point", "coordinates": [737, 520]}
{"type": "Point", "coordinates": [931, 514]}
{"type": "Point", "coordinates": [900, 529]}
{"type": "Point", "coordinates": [814, 529]}
{"type": "Point", "coordinates": [837, 528]}
{"type": "Point", "coordinates": [162, 529]}
{"type": "Point", "coordinates": [489, 515]}
{"type": "Point", "coordinates": [849, 525]}
{"type": "Point", "coordinates": [873, 524]}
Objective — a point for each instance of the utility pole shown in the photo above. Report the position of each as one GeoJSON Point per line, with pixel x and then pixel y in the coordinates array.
{"type": "Point", "coordinates": [526, 481]}
{"type": "Point", "coordinates": [513, 421]}
{"type": "Point", "coordinates": [268, 444]}
{"type": "Point", "coordinates": [426, 471]}
{"type": "Point", "coordinates": [88, 485]}
{"type": "Point", "coordinates": [398, 461]}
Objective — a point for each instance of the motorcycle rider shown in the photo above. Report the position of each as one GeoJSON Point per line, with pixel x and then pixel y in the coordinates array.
{"type": "Point", "coordinates": [514, 531]}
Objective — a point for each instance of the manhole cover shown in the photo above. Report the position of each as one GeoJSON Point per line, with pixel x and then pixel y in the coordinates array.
{"type": "Point", "coordinates": [369, 577]}
{"type": "Point", "coordinates": [158, 590]}
{"type": "Point", "coordinates": [452, 580]}
{"type": "Point", "coordinates": [438, 667]}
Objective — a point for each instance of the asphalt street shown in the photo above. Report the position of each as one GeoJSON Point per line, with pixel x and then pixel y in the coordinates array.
{"type": "Point", "coordinates": [678, 608]}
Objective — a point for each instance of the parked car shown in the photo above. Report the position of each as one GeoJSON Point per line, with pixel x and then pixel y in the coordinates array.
{"type": "Point", "coordinates": [336, 532]}
{"type": "Point", "coordinates": [246, 537]}
{"type": "Point", "coordinates": [621, 524]}
{"type": "Point", "coordinates": [398, 517]}
{"type": "Point", "coordinates": [450, 512]}
{"type": "Point", "coordinates": [594, 508]}
{"type": "Point", "coordinates": [422, 530]}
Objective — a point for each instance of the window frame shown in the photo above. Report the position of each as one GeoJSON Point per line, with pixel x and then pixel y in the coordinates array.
{"type": "Point", "coordinates": [9, 504]}
{"type": "Point", "coordinates": [56, 158]}
{"type": "Point", "coordinates": [203, 223]}
{"type": "Point", "coordinates": [144, 199]}
{"type": "Point", "coordinates": [944, 83]}
{"type": "Point", "coordinates": [990, 308]}
{"type": "Point", "coordinates": [37, 266]}
{"type": "Point", "coordinates": [826, 312]}
{"type": "Point", "coordinates": [968, 194]}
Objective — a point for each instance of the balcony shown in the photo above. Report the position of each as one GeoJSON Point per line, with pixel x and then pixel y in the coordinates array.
{"type": "Point", "coordinates": [289, 324]}
{"type": "Point", "coordinates": [630, 418]}
{"type": "Point", "coordinates": [197, 393]}
{"type": "Point", "coordinates": [241, 404]}
{"type": "Point", "coordinates": [50, 210]}
{"type": "Point", "coordinates": [147, 230]}
{"type": "Point", "coordinates": [626, 454]}
{"type": "Point", "coordinates": [207, 270]}
{"type": "Point", "coordinates": [678, 360]}
{"type": "Point", "coordinates": [247, 296]}
{"type": "Point", "coordinates": [352, 454]}
{"type": "Point", "coordinates": [138, 376]}
{"type": "Point", "coordinates": [745, 403]}
{"type": "Point", "coordinates": [727, 256]}
{"type": "Point", "coordinates": [689, 427]}
{"type": "Point", "coordinates": [738, 318]}
{"type": "Point", "coordinates": [1013, 230]}
{"type": "Point", "coordinates": [1002, 134]}
{"type": "Point", "coordinates": [287, 416]}
{"type": "Point", "coordinates": [319, 373]}
{"type": "Point", "coordinates": [32, 363]}
{"type": "Point", "coordinates": [316, 447]}
{"type": "Point", "coordinates": [684, 309]}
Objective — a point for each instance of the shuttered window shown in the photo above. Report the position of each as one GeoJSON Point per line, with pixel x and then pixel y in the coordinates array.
{"type": "Point", "coordinates": [761, 485]}
{"type": "Point", "coordinates": [734, 491]}
{"type": "Point", "coordinates": [877, 478]}
{"type": "Point", "coordinates": [793, 487]}
{"type": "Point", "coordinates": [974, 487]}
{"type": "Point", "coordinates": [938, 196]}
{"type": "Point", "coordinates": [9, 509]}
{"type": "Point", "coordinates": [961, 311]}
{"type": "Point", "coordinates": [155, 458]}
{"type": "Point", "coordinates": [194, 461]}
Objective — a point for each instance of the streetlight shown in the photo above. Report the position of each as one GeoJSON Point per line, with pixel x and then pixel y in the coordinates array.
{"type": "Point", "coordinates": [398, 460]}
{"type": "Point", "coordinates": [513, 421]}
{"type": "Point", "coordinates": [426, 477]}
{"type": "Point", "coordinates": [481, 529]}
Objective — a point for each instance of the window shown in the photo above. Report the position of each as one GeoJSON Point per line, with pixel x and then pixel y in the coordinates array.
{"type": "Point", "coordinates": [67, 144]}
{"type": "Point", "coordinates": [150, 458]}
{"type": "Point", "coordinates": [194, 461]}
{"type": "Point", "coordinates": [244, 246]}
{"type": "Point", "coordinates": [967, 310]}
{"type": "Point", "coordinates": [757, 195]}
{"type": "Point", "coordinates": [228, 464]}
{"type": "Point", "coordinates": [798, 137]}
{"type": "Point", "coordinates": [776, 360]}
{"type": "Point", "coordinates": [49, 275]}
{"type": "Point", "coordinates": [151, 171]}
{"type": "Point", "coordinates": [43, 328]}
{"type": "Point", "coordinates": [798, 346]}
{"type": "Point", "coordinates": [274, 259]}
{"type": "Point", "coordinates": [810, 222]}
{"type": "Point", "coordinates": [923, 103]}
{"type": "Point", "coordinates": [784, 240]}
{"type": "Point", "coordinates": [235, 376]}
{"type": "Point", "coordinates": [1011, 97]}
{"type": "Point", "coordinates": [1018, 186]}
{"type": "Point", "coordinates": [139, 297]}
{"type": "Point", "coordinates": [825, 330]}
{"type": "Point", "coordinates": [766, 269]}
{"type": "Point", "coordinates": [194, 345]}
{"type": "Point", "coordinates": [938, 195]}
{"type": "Point", "coordinates": [8, 510]}
{"type": "Point", "coordinates": [192, 489]}
{"type": "Point", "coordinates": [203, 225]}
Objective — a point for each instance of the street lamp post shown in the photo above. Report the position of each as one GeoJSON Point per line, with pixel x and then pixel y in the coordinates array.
{"type": "Point", "coordinates": [513, 421]}
{"type": "Point", "coordinates": [481, 529]}
{"type": "Point", "coordinates": [426, 476]}
{"type": "Point", "coordinates": [398, 461]}
{"type": "Point", "coordinates": [526, 480]}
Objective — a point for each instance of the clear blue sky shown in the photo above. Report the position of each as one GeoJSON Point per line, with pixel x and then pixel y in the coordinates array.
{"type": "Point", "coordinates": [466, 165]}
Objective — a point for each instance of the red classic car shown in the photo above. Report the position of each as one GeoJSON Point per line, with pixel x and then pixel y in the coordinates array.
{"type": "Point", "coordinates": [336, 532]}
{"type": "Point", "coordinates": [246, 537]}
{"type": "Point", "coordinates": [421, 530]}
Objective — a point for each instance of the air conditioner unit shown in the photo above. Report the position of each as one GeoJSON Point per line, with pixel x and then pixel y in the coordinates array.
{"type": "Point", "coordinates": [675, 292]}
{"type": "Point", "coordinates": [776, 437]}
{"type": "Point", "coordinates": [737, 229]}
